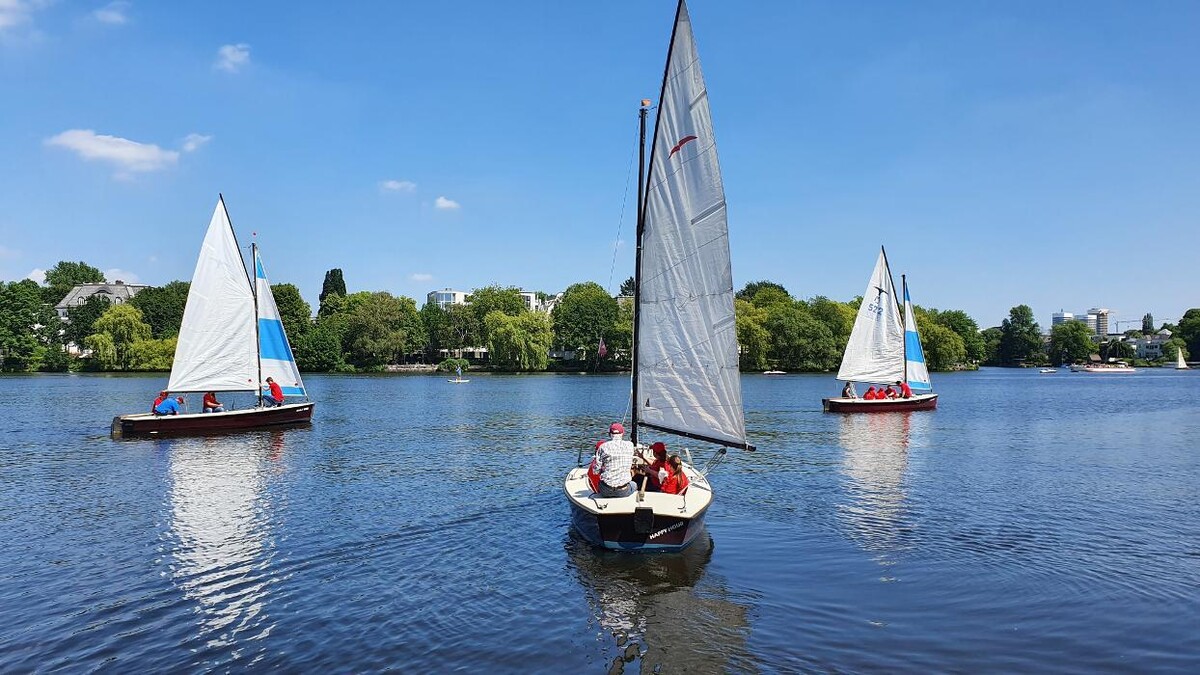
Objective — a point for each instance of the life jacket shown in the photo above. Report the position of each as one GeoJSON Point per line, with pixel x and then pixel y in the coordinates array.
{"type": "Point", "coordinates": [593, 476]}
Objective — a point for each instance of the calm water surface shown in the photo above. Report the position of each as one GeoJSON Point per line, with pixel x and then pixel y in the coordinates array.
{"type": "Point", "coordinates": [1032, 523]}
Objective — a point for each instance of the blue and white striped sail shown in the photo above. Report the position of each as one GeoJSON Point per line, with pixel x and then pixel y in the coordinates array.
{"type": "Point", "coordinates": [914, 356]}
{"type": "Point", "coordinates": [274, 353]}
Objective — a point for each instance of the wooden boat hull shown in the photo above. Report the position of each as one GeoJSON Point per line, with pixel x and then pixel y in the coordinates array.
{"type": "Point", "coordinates": [146, 424]}
{"type": "Point", "coordinates": [655, 523]}
{"type": "Point", "coordinates": [854, 405]}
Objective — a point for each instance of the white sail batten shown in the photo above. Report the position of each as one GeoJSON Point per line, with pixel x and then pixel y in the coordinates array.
{"type": "Point", "coordinates": [875, 352]}
{"type": "Point", "coordinates": [216, 350]}
{"type": "Point", "coordinates": [687, 369]}
{"type": "Point", "coordinates": [275, 352]}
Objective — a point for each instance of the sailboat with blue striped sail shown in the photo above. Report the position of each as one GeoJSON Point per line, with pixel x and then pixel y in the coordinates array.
{"type": "Point", "coordinates": [884, 350]}
{"type": "Point", "coordinates": [231, 340]}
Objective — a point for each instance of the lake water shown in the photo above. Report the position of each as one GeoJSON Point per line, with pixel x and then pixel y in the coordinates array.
{"type": "Point", "coordinates": [1032, 523]}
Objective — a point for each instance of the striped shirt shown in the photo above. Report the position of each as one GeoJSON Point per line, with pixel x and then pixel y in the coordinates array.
{"type": "Point", "coordinates": [615, 460]}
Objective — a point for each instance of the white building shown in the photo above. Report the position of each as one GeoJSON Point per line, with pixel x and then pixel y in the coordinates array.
{"type": "Point", "coordinates": [1061, 317]}
{"type": "Point", "coordinates": [117, 292]}
{"type": "Point", "coordinates": [446, 297]}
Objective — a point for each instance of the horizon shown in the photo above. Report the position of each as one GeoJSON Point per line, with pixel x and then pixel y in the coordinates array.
{"type": "Point", "coordinates": [417, 148]}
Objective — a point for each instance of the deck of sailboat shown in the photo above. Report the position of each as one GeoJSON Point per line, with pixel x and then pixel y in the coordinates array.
{"type": "Point", "coordinates": [137, 424]}
{"type": "Point", "coordinates": [642, 521]}
{"type": "Point", "coordinates": [914, 402]}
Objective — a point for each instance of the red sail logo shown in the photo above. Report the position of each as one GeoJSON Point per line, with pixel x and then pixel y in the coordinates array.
{"type": "Point", "coordinates": [682, 142]}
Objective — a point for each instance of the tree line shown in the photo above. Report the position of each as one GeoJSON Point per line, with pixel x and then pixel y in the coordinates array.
{"type": "Point", "coordinates": [370, 330]}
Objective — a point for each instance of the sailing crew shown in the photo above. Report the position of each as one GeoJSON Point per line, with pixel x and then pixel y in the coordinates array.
{"type": "Point", "coordinates": [658, 471]}
{"type": "Point", "coordinates": [677, 482]}
{"type": "Point", "coordinates": [890, 393]}
{"type": "Point", "coordinates": [276, 396]}
{"type": "Point", "coordinates": [211, 404]}
{"type": "Point", "coordinates": [162, 396]}
{"type": "Point", "coordinates": [905, 390]}
{"type": "Point", "coordinates": [614, 458]}
{"type": "Point", "coordinates": [848, 391]}
{"type": "Point", "coordinates": [870, 395]}
{"type": "Point", "coordinates": [169, 406]}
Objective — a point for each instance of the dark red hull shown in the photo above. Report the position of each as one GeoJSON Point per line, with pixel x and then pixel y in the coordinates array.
{"type": "Point", "coordinates": [622, 532]}
{"type": "Point", "coordinates": [922, 402]}
{"type": "Point", "coordinates": [144, 424]}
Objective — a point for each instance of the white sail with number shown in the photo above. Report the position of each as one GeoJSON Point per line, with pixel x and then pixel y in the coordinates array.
{"type": "Point", "coordinates": [216, 350]}
{"type": "Point", "coordinates": [875, 352]}
{"type": "Point", "coordinates": [687, 359]}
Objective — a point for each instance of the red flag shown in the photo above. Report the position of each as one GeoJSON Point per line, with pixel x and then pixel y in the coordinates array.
{"type": "Point", "coordinates": [602, 351]}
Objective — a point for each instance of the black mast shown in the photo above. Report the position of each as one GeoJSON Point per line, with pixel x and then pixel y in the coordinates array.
{"type": "Point", "coordinates": [637, 265]}
{"type": "Point", "coordinates": [903, 318]}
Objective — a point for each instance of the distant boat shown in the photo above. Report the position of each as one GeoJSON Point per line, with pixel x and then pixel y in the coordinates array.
{"type": "Point", "coordinates": [1180, 364]}
{"type": "Point", "coordinates": [883, 351]}
{"type": "Point", "coordinates": [685, 377]}
{"type": "Point", "coordinates": [1103, 368]}
{"type": "Point", "coordinates": [1047, 371]}
{"type": "Point", "coordinates": [230, 340]}
{"type": "Point", "coordinates": [774, 372]}
{"type": "Point", "coordinates": [458, 378]}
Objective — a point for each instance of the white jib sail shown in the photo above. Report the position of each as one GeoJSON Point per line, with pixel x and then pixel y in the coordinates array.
{"type": "Point", "coordinates": [274, 350]}
{"type": "Point", "coordinates": [1180, 364]}
{"type": "Point", "coordinates": [688, 379]}
{"type": "Point", "coordinates": [216, 350]}
{"type": "Point", "coordinates": [875, 352]}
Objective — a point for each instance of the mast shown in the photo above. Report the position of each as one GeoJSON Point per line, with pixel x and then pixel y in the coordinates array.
{"type": "Point", "coordinates": [643, 194]}
{"type": "Point", "coordinates": [257, 339]}
{"type": "Point", "coordinates": [904, 283]}
{"type": "Point", "coordinates": [637, 265]}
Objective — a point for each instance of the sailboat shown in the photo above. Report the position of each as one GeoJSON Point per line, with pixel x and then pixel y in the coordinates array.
{"type": "Point", "coordinates": [1180, 364]}
{"type": "Point", "coordinates": [458, 378]}
{"type": "Point", "coordinates": [231, 340]}
{"type": "Point", "coordinates": [685, 377]}
{"type": "Point", "coordinates": [882, 350]}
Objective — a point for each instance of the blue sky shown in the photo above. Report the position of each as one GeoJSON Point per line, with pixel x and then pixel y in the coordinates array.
{"type": "Point", "coordinates": [1004, 152]}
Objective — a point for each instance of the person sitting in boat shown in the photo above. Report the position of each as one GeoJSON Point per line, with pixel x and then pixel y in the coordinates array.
{"type": "Point", "coordinates": [905, 390]}
{"type": "Point", "coordinates": [871, 394]}
{"type": "Point", "coordinates": [170, 406]}
{"type": "Point", "coordinates": [276, 396]}
{"type": "Point", "coordinates": [162, 396]}
{"type": "Point", "coordinates": [677, 481]}
{"type": "Point", "coordinates": [614, 459]}
{"type": "Point", "coordinates": [211, 404]}
{"type": "Point", "coordinates": [889, 393]}
{"type": "Point", "coordinates": [848, 391]}
{"type": "Point", "coordinates": [658, 471]}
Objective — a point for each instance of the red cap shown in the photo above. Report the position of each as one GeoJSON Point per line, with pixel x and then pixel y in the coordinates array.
{"type": "Point", "coordinates": [659, 448]}
{"type": "Point", "coordinates": [616, 428]}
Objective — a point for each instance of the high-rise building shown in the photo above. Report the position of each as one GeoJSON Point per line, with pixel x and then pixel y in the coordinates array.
{"type": "Point", "coordinates": [1101, 315]}
{"type": "Point", "coordinates": [1061, 317]}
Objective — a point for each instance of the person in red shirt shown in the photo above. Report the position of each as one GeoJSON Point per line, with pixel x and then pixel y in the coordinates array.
{"type": "Point", "coordinates": [276, 397]}
{"type": "Point", "coordinates": [870, 395]}
{"type": "Point", "coordinates": [162, 396]}
{"type": "Point", "coordinates": [677, 481]}
{"type": "Point", "coordinates": [890, 393]}
{"type": "Point", "coordinates": [211, 404]}
{"type": "Point", "coordinates": [659, 470]}
{"type": "Point", "coordinates": [905, 390]}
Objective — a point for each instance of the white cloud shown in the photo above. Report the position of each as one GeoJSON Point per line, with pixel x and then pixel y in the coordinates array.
{"type": "Point", "coordinates": [421, 276]}
{"type": "Point", "coordinates": [445, 204]}
{"type": "Point", "coordinates": [16, 12]}
{"type": "Point", "coordinates": [112, 13]}
{"type": "Point", "coordinates": [116, 273]}
{"type": "Point", "coordinates": [397, 186]}
{"type": "Point", "coordinates": [193, 141]}
{"type": "Point", "coordinates": [231, 58]}
{"type": "Point", "coordinates": [38, 275]}
{"type": "Point", "coordinates": [127, 155]}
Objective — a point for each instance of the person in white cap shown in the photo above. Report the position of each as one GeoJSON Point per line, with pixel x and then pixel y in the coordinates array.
{"type": "Point", "coordinates": [614, 459]}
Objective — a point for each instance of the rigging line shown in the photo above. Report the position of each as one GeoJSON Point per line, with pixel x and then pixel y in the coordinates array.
{"type": "Point", "coordinates": [621, 220]}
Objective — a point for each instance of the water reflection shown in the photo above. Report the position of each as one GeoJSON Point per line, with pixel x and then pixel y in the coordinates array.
{"type": "Point", "coordinates": [221, 526]}
{"type": "Point", "coordinates": [874, 460]}
{"type": "Point", "coordinates": [662, 609]}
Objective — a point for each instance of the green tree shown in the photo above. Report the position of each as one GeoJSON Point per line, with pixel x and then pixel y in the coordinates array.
{"type": "Point", "coordinates": [1173, 346]}
{"type": "Point", "coordinates": [519, 342]}
{"type": "Point", "coordinates": [319, 350]}
{"type": "Point", "coordinates": [463, 329]}
{"type": "Point", "coordinates": [152, 355]}
{"type": "Point", "coordinates": [628, 287]}
{"type": "Point", "coordinates": [1148, 323]}
{"type": "Point", "coordinates": [66, 275]}
{"type": "Point", "coordinates": [943, 347]}
{"type": "Point", "coordinates": [495, 298]}
{"type": "Point", "coordinates": [27, 325]}
{"type": "Point", "coordinates": [55, 359]}
{"type": "Point", "coordinates": [437, 329]}
{"type": "Point", "coordinates": [381, 329]}
{"type": "Point", "coordinates": [619, 339]}
{"type": "Point", "coordinates": [81, 319]}
{"type": "Point", "coordinates": [585, 314]}
{"type": "Point", "coordinates": [103, 351]}
{"type": "Point", "coordinates": [1189, 330]}
{"type": "Point", "coordinates": [1021, 339]}
{"type": "Point", "coordinates": [1070, 342]}
{"type": "Point", "coordinates": [838, 317]}
{"type": "Point", "coordinates": [991, 346]}
{"type": "Point", "coordinates": [124, 326]}
{"type": "Point", "coordinates": [966, 329]}
{"type": "Point", "coordinates": [294, 312]}
{"type": "Point", "coordinates": [754, 341]}
{"type": "Point", "coordinates": [162, 307]}
{"type": "Point", "coordinates": [334, 284]}
{"type": "Point", "coordinates": [752, 289]}
{"type": "Point", "coordinates": [1117, 349]}
{"type": "Point", "coordinates": [798, 341]}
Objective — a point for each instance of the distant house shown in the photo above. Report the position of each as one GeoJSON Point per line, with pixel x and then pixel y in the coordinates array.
{"type": "Point", "coordinates": [117, 292]}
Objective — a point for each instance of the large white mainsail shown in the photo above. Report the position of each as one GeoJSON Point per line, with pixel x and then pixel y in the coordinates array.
{"type": "Point", "coordinates": [687, 359]}
{"type": "Point", "coordinates": [875, 352]}
{"type": "Point", "coordinates": [275, 353]}
{"type": "Point", "coordinates": [216, 350]}
{"type": "Point", "coordinates": [1180, 364]}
